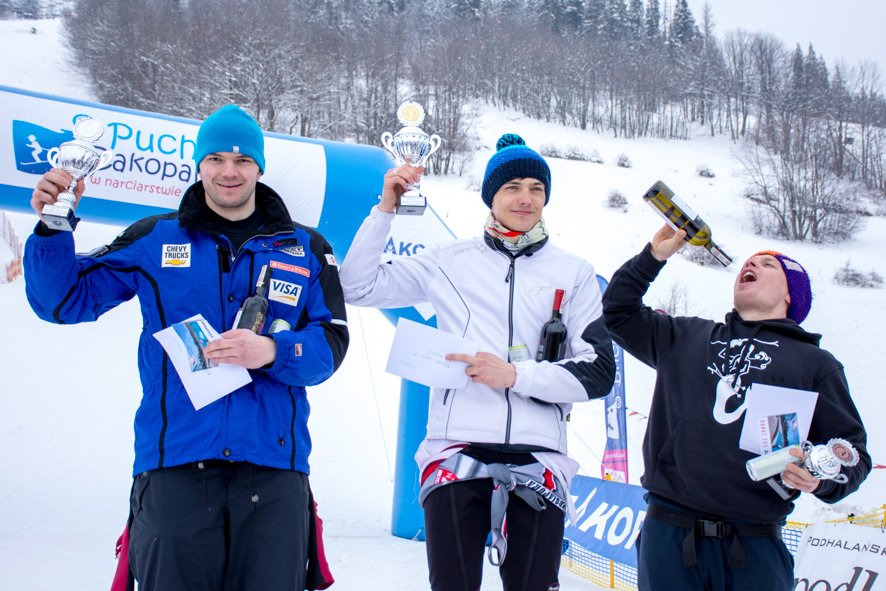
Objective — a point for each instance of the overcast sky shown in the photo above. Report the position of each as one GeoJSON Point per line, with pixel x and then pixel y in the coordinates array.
{"type": "Point", "coordinates": [849, 29]}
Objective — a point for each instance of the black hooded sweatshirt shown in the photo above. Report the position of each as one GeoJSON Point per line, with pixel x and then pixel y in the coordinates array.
{"type": "Point", "coordinates": [691, 448]}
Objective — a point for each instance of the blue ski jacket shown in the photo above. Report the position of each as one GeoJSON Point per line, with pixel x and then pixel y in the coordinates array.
{"type": "Point", "coordinates": [179, 265]}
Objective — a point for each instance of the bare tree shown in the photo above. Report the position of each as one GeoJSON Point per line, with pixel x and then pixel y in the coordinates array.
{"type": "Point", "coordinates": [738, 82]}
{"type": "Point", "coordinates": [798, 197]}
{"type": "Point", "coordinates": [338, 69]}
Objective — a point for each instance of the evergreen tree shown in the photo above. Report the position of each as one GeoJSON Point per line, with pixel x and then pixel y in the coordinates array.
{"type": "Point", "coordinates": [467, 9]}
{"type": "Point", "coordinates": [684, 32]}
{"type": "Point", "coordinates": [616, 21]}
{"type": "Point", "coordinates": [652, 23]}
{"type": "Point", "coordinates": [635, 20]}
{"type": "Point", "coordinates": [595, 18]}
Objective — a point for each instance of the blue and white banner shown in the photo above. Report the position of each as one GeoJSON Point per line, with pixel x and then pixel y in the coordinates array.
{"type": "Point", "coordinates": [326, 185]}
{"type": "Point", "coordinates": [614, 465]}
{"type": "Point", "coordinates": [609, 518]}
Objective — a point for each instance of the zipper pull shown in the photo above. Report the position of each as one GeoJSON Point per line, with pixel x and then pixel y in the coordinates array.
{"type": "Point", "coordinates": [510, 274]}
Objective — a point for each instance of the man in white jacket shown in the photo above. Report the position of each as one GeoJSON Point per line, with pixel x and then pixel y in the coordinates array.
{"type": "Point", "coordinates": [495, 451]}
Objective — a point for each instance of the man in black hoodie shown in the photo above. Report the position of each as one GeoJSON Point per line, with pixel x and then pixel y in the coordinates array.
{"type": "Point", "coordinates": [709, 526]}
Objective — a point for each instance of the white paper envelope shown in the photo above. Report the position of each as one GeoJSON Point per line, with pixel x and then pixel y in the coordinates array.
{"type": "Point", "coordinates": [418, 353]}
{"type": "Point", "coordinates": [765, 401]}
{"type": "Point", "coordinates": [204, 382]}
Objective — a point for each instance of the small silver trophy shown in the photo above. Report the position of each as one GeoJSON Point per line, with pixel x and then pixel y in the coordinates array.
{"type": "Point", "coordinates": [414, 146]}
{"type": "Point", "coordinates": [79, 158]}
{"type": "Point", "coordinates": [823, 461]}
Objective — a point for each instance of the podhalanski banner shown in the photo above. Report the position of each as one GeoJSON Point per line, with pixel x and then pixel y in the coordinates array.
{"type": "Point", "coordinates": [842, 557]}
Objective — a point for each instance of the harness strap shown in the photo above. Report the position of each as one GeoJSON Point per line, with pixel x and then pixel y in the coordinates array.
{"type": "Point", "coordinates": [527, 482]}
{"type": "Point", "coordinates": [704, 528]}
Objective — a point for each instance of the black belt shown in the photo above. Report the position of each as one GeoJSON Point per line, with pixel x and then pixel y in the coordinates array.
{"type": "Point", "coordinates": [712, 529]}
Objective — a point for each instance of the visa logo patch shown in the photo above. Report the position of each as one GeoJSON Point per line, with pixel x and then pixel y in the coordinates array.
{"type": "Point", "coordinates": [290, 268]}
{"type": "Point", "coordinates": [176, 256]}
{"type": "Point", "coordinates": [31, 144]}
{"type": "Point", "coordinates": [284, 292]}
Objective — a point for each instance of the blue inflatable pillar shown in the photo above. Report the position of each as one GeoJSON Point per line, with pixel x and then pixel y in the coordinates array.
{"type": "Point", "coordinates": [407, 518]}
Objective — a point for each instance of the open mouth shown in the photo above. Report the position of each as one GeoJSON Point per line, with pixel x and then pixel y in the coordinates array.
{"type": "Point", "coordinates": [748, 277]}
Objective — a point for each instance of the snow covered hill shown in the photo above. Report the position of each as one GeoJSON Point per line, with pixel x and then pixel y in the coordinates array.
{"type": "Point", "coordinates": [69, 393]}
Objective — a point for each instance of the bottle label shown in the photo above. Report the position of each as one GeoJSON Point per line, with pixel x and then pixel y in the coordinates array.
{"type": "Point", "coordinates": [518, 353]}
{"type": "Point", "coordinates": [687, 211]}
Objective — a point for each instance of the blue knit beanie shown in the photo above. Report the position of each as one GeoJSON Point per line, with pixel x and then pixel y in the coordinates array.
{"type": "Point", "coordinates": [231, 129]}
{"type": "Point", "coordinates": [513, 160]}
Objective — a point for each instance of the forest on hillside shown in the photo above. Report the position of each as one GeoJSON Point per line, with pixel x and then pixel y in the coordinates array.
{"type": "Point", "coordinates": [811, 136]}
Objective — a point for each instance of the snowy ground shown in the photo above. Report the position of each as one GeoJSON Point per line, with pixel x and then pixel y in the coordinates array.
{"type": "Point", "coordinates": [69, 393]}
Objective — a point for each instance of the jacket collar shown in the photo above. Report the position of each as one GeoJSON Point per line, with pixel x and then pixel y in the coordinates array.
{"type": "Point", "coordinates": [496, 244]}
{"type": "Point", "coordinates": [194, 214]}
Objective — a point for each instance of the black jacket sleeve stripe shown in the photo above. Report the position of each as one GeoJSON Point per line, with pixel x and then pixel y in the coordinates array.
{"type": "Point", "coordinates": [597, 377]}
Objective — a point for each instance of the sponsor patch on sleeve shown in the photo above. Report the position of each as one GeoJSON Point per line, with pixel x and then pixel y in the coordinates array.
{"type": "Point", "coordinates": [176, 255]}
{"type": "Point", "coordinates": [297, 349]}
{"type": "Point", "coordinates": [290, 268]}
{"type": "Point", "coordinates": [330, 259]}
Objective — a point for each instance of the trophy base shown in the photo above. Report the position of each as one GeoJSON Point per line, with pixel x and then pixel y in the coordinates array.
{"type": "Point", "coordinates": [412, 204]}
{"type": "Point", "coordinates": [59, 218]}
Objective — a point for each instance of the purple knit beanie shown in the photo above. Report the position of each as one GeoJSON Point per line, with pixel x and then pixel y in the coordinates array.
{"type": "Point", "coordinates": [798, 285]}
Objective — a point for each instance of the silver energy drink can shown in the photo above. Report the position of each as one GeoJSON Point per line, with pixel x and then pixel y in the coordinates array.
{"type": "Point", "coordinates": [279, 325]}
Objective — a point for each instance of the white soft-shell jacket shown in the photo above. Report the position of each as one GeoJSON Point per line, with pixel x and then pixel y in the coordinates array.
{"type": "Point", "coordinates": [497, 300]}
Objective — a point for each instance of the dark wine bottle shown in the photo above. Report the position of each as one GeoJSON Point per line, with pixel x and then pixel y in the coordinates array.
{"type": "Point", "coordinates": [552, 343]}
{"type": "Point", "coordinates": [254, 310]}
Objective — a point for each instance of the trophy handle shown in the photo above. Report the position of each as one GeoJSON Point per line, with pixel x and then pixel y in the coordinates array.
{"type": "Point", "coordinates": [52, 157]}
{"type": "Point", "coordinates": [840, 478]}
{"type": "Point", "coordinates": [104, 159]}
{"type": "Point", "coordinates": [387, 140]}
{"type": "Point", "coordinates": [435, 145]}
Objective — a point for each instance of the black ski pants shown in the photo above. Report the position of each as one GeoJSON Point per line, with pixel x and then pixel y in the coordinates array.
{"type": "Point", "coordinates": [219, 526]}
{"type": "Point", "coordinates": [457, 524]}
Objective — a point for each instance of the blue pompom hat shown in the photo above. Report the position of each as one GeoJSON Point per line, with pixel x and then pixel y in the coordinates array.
{"type": "Point", "coordinates": [513, 160]}
{"type": "Point", "coordinates": [231, 129]}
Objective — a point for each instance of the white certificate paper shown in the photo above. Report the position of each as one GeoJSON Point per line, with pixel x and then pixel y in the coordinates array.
{"type": "Point", "coordinates": [418, 353]}
{"type": "Point", "coordinates": [205, 381]}
{"type": "Point", "coordinates": [769, 401]}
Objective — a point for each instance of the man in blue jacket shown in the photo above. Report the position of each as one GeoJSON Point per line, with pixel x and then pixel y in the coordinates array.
{"type": "Point", "coordinates": [220, 498]}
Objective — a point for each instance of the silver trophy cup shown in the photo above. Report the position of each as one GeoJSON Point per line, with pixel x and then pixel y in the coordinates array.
{"type": "Point", "coordinates": [79, 158]}
{"type": "Point", "coordinates": [411, 145]}
{"type": "Point", "coordinates": [823, 461]}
